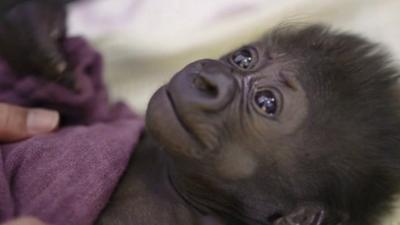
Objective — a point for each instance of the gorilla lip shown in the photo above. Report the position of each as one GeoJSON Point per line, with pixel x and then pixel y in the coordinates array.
{"type": "Point", "coordinates": [177, 116]}
{"type": "Point", "coordinates": [164, 125]}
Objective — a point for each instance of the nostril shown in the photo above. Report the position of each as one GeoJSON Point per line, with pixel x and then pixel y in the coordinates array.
{"type": "Point", "coordinates": [203, 84]}
{"type": "Point", "coordinates": [206, 89]}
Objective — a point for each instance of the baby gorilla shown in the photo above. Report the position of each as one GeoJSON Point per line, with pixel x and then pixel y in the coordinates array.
{"type": "Point", "coordinates": [301, 127]}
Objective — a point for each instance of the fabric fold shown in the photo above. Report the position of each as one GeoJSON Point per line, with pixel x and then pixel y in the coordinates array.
{"type": "Point", "coordinates": [66, 177]}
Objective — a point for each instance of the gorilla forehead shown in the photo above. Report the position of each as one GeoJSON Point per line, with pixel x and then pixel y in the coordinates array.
{"type": "Point", "coordinates": [349, 81]}
{"type": "Point", "coordinates": [331, 63]}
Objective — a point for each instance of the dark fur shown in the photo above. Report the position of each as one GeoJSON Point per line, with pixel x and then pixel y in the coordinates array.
{"type": "Point", "coordinates": [37, 27]}
{"type": "Point", "coordinates": [354, 121]}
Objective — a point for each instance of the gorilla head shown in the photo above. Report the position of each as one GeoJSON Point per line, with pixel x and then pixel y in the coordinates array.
{"type": "Point", "coordinates": [305, 116]}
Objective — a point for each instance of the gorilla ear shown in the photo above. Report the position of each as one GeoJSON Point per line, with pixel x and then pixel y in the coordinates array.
{"type": "Point", "coordinates": [305, 215]}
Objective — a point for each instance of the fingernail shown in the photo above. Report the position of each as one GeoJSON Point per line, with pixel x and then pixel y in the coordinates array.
{"type": "Point", "coordinates": [61, 67]}
{"type": "Point", "coordinates": [42, 121]}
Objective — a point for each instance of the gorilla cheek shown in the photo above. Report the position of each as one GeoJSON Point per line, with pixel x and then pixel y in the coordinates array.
{"type": "Point", "coordinates": [237, 163]}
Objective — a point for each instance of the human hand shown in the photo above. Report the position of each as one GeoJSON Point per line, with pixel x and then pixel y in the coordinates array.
{"type": "Point", "coordinates": [17, 123]}
{"type": "Point", "coordinates": [24, 221]}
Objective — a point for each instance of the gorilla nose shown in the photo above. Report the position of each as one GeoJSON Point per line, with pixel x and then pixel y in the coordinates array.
{"type": "Point", "coordinates": [206, 84]}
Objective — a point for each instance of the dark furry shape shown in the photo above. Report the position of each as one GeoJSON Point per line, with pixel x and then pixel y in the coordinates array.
{"type": "Point", "coordinates": [300, 127]}
{"type": "Point", "coordinates": [31, 37]}
{"type": "Point", "coordinates": [354, 123]}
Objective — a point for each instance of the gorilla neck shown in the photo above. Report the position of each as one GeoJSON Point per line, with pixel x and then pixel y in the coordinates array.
{"type": "Point", "coordinates": [203, 192]}
{"type": "Point", "coordinates": [145, 194]}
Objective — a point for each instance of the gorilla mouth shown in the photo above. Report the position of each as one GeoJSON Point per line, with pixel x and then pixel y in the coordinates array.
{"type": "Point", "coordinates": [177, 115]}
{"type": "Point", "coordinates": [179, 119]}
{"type": "Point", "coordinates": [165, 124]}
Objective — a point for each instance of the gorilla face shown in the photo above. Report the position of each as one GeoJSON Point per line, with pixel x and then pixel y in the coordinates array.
{"type": "Point", "coordinates": [231, 110]}
{"type": "Point", "coordinates": [303, 115]}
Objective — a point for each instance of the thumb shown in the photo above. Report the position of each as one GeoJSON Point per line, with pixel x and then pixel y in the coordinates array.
{"type": "Point", "coordinates": [17, 123]}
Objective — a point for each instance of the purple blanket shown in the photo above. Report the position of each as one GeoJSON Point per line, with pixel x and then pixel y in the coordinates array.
{"type": "Point", "coordinates": [66, 177]}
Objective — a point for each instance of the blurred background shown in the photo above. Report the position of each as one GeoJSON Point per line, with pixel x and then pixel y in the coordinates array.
{"type": "Point", "coordinates": [144, 42]}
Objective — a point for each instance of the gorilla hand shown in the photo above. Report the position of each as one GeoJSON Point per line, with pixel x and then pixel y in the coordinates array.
{"type": "Point", "coordinates": [312, 215]}
{"type": "Point", "coordinates": [303, 216]}
{"type": "Point", "coordinates": [30, 36]}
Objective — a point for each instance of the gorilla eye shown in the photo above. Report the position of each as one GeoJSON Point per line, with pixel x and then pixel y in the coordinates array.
{"type": "Point", "coordinates": [244, 59]}
{"type": "Point", "coordinates": [267, 102]}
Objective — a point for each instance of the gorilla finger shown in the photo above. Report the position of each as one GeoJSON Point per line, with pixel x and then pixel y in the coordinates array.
{"type": "Point", "coordinates": [32, 42]}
